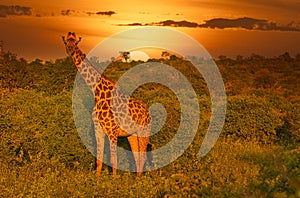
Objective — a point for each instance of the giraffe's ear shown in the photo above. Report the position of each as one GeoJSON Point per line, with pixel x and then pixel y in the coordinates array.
{"type": "Point", "coordinates": [79, 39]}
{"type": "Point", "coordinates": [63, 38]}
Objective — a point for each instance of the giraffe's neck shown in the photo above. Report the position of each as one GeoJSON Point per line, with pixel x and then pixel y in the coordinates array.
{"type": "Point", "coordinates": [90, 75]}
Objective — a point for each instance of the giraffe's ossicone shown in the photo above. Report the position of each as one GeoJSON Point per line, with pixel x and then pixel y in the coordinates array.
{"type": "Point", "coordinates": [115, 113]}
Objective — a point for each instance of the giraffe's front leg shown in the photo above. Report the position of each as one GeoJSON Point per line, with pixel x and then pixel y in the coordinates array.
{"type": "Point", "coordinates": [100, 138]}
{"type": "Point", "coordinates": [113, 140]}
{"type": "Point", "coordinates": [113, 156]}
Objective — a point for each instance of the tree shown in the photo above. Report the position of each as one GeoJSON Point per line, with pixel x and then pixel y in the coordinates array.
{"type": "Point", "coordinates": [165, 54]}
{"type": "Point", "coordinates": [256, 57]}
{"type": "Point", "coordinates": [173, 57]}
{"type": "Point", "coordinates": [297, 57]}
{"type": "Point", "coordinates": [286, 57]}
{"type": "Point", "coordinates": [125, 55]}
{"type": "Point", "coordinates": [239, 58]}
{"type": "Point", "coordinates": [94, 60]}
{"type": "Point", "coordinates": [222, 57]}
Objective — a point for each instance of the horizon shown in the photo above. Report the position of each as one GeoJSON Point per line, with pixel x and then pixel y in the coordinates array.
{"type": "Point", "coordinates": [33, 29]}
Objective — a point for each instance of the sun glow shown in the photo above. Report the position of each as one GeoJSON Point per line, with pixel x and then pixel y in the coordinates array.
{"type": "Point", "coordinates": [139, 55]}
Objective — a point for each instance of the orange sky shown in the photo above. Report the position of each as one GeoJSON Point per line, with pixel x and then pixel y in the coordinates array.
{"type": "Point", "coordinates": [37, 34]}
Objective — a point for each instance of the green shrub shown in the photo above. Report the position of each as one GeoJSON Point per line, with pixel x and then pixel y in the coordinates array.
{"type": "Point", "coordinates": [35, 126]}
{"type": "Point", "coordinates": [252, 118]}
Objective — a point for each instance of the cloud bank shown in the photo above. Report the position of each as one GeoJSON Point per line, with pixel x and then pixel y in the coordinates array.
{"type": "Point", "coordinates": [108, 13]}
{"type": "Point", "coordinates": [14, 11]}
{"type": "Point", "coordinates": [223, 23]}
{"type": "Point", "coordinates": [17, 10]}
{"type": "Point", "coordinates": [247, 23]}
{"type": "Point", "coordinates": [69, 12]}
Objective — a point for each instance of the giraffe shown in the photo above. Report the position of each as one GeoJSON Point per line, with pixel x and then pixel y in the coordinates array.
{"type": "Point", "coordinates": [114, 114]}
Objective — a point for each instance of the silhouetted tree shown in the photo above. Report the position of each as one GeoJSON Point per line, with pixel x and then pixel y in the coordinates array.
{"type": "Point", "coordinates": [125, 55]}
{"type": "Point", "coordinates": [222, 57]}
{"type": "Point", "coordinates": [239, 57]}
{"type": "Point", "coordinates": [256, 57]}
{"type": "Point", "coordinates": [173, 57]}
{"type": "Point", "coordinates": [297, 57]}
{"type": "Point", "coordinates": [286, 57]}
{"type": "Point", "coordinates": [94, 60]}
{"type": "Point", "coordinates": [165, 54]}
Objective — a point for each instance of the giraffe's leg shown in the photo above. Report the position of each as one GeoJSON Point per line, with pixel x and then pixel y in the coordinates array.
{"type": "Point", "coordinates": [113, 140]}
{"type": "Point", "coordinates": [134, 144]}
{"type": "Point", "coordinates": [113, 155]}
{"type": "Point", "coordinates": [144, 142]}
{"type": "Point", "coordinates": [99, 135]}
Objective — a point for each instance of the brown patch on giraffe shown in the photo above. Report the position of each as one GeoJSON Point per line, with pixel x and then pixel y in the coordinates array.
{"type": "Point", "coordinates": [104, 114]}
{"type": "Point", "coordinates": [108, 94]}
{"type": "Point", "coordinates": [104, 106]}
{"type": "Point", "coordinates": [102, 95]}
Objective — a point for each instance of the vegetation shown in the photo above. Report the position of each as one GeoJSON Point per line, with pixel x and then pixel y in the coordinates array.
{"type": "Point", "coordinates": [257, 155]}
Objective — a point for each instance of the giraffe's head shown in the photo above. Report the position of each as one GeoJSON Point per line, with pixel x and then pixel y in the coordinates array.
{"type": "Point", "coordinates": [71, 42]}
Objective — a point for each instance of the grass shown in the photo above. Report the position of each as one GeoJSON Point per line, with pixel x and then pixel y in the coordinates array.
{"type": "Point", "coordinates": [257, 155]}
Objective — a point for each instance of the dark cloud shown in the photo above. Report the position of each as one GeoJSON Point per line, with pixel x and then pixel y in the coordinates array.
{"type": "Point", "coordinates": [172, 23]}
{"type": "Point", "coordinates": [132, 24]}
{"type": "Point", "coordinates": [247, 23]}
{"type": "Point", "coordinates": [90, 13]}
{"type": "Point", "coordinates": [67, 12]}
{"type": "Point", "coordinates": [222, 23]}
{"type": "Point", "coordinates": [14, 10]}
{"type": "Point", "coordinates": [108, 13]}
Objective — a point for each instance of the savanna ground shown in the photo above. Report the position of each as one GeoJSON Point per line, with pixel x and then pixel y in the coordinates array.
{"type": "Point", "coordinates": [257, 154]}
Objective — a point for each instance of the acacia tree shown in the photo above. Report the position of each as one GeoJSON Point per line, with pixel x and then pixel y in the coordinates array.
{"type": "Point", "coordinates": [165, 54]}
{"type": "Point", "coordinates": [125, 55]}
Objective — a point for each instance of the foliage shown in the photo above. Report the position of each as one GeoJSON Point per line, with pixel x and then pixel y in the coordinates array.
{"type": "Point", "coordinates": [48, 77]}
{"type": "Point", "coordinates": [257, 155]}
{"type": "Point", "coordinates": [252, 118]}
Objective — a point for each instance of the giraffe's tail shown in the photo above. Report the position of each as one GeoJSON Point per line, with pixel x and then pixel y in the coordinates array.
{"type": "Point", "coordinates": [149, 155]}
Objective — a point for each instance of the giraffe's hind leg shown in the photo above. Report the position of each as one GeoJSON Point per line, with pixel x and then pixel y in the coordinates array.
{"type": "Point", "coordinates": [99, 135]}
{"type": "Point", "coordinates": [135, 148]}
{"type": "Point", "coordinates": [139, 146]}
{"type": "Point", "coordinates": [143, 143]}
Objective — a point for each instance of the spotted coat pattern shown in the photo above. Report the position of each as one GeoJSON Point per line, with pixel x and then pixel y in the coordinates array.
{"type": "Point", "coordinates": [114, 114]}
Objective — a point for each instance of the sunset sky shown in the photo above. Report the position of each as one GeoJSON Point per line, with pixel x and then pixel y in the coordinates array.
{"type": "Point", "coordinates": [33, 29]}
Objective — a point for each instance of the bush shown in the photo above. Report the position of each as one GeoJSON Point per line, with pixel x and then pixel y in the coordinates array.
{"type": "Point", "coordinates": [35, 126]}
{"type": "Point", "coordinates": [252, 118]}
